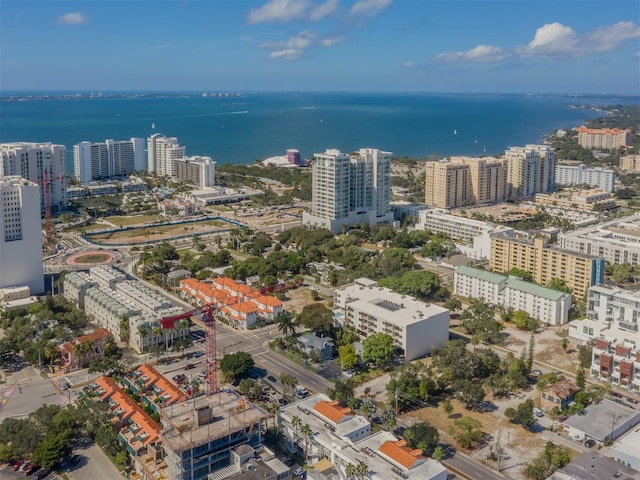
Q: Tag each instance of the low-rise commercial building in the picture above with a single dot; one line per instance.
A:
(630, 163)
(545, 263)
(616, 241)
(626, 451)
(594, 199)
(340, 438)
(602, 421)
(415, 327)
(543, 304)
(462, 229)
(593, 466)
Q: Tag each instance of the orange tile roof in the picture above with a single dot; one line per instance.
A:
(244, 307)
(399, 453)
(157, 379)
(332, 410)
(562, 389)
(270, 301)
(66, 347)
(98, 334)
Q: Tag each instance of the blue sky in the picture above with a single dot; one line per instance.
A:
(544, 46)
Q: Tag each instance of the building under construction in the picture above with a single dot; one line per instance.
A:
(199, 435)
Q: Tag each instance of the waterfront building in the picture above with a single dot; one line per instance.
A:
(589, 200)
(545, 263)
(530, 170)
(544, 304)
(20, 235)
(30, 160)
(196, 170)
(416, 327)
(162, 153)
(617, 241)
(608, 138)
(598, 177)
(293, 156)
(464, 230)
(341, 438)
(111, 158)
(350, 189)
(630, 163)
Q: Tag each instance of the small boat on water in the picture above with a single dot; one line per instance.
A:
(153, 126)
(455, 132)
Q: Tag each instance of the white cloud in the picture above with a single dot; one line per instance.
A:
(481, 53)
(331, 41)
(278, 10)
(286, 54)
(302, 40)
(409, 64)
(369, 8)
(73, 18)
(555, 39)
(322, 10)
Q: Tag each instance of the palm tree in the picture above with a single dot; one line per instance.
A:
(365, 410)
(362, 469)
(350, 470)
(110, 346)
(288, 381)
(285, 324)
(306, 432)
(295, 423)
(50, 352)
(143, 330)
(272, 408)
(124, 329)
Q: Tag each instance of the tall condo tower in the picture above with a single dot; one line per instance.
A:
(30, 160)
(111, 158)
(20, 234)
(530, 170)
(200, 171)
(162, 153)
(350, 189)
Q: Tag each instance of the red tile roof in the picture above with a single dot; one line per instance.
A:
(399, 453)
(332, 411)
(562, 389)
(97, 334)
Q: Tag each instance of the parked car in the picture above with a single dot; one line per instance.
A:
(589, 443)
(179, 378)
(537, 412)
(43, 473)
(198, 353)
(25, 466)
(350, 373)
(536, 373)
(271, 378)
(203, 373)
(17, 465)
(189, 366)
(31, 470)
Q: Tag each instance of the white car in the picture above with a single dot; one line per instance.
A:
(537, 412)
(349, 373)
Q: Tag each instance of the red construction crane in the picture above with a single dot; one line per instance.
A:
(210, 341)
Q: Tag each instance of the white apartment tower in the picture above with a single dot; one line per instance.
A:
(162, 153)
(111, 158)
(530, 170)
(30, 160)
(599, 177)
(350, 189)
(200, 171)
(20, 234)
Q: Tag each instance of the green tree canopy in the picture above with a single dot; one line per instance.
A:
(422, 435)
(236, 365)
(378, 349)
(317, 317)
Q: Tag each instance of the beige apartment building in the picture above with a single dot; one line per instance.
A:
(464, 181)
(630, 163)
(545, 263)
(530, 170)
(603, 137)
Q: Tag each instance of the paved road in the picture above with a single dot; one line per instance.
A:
(469, 468)
(93, 465)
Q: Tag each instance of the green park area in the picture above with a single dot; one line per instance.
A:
(150, 233)
(125, 221)
(93, 258)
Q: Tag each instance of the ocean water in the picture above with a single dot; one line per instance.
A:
(258, 125)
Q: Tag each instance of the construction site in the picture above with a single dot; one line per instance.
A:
(199, 435)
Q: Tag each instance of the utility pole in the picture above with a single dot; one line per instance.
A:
(498, 450)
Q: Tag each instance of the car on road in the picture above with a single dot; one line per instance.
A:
(589, 443)
(271, 378)
(189, 366)
(537, 412)
(632, 400)
(202, 373)
(179, 378)
(198, 353)
(350, 373)
(536, 373)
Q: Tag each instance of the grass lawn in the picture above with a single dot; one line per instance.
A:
(133, 220)
(93, 258)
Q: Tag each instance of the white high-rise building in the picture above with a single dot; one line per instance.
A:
(350, 189)
(599, 177)
(162, 153)
(20, 234)
(30, 160)
(111, 158)
(530, 170)
(200, 171)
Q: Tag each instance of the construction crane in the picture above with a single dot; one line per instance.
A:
(208, 318)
